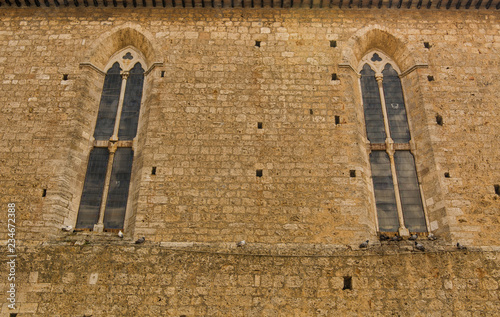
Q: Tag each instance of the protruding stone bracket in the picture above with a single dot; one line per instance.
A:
(349, 67)
(93, 67)
(153, 66)
(411, 69)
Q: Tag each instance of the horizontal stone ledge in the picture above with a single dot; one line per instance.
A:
(375, 248)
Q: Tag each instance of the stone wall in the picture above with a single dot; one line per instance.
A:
(208, 87)
(148, 280)
(199, 122)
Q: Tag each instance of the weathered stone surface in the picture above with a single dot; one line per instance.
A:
(169, 282)
(207, 88)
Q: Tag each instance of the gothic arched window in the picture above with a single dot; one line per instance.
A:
(105, 192)
(396, 187)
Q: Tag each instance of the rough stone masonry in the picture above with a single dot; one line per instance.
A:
(232, 90)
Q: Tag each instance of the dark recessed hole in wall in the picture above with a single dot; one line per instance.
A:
(65, 76)
(311, 111)
(258, 173)
(259, 125)
(334, 77)
(439, 119)
(162, 73)
(153, 170)
(427, 45)
(447, 175)
(257, 43)
(497, 189)
(13, 315)
(430, 78)
(333, 43)
(44, 193)
(352, 173)
(183, 316)
(347, 283)
(337, 119)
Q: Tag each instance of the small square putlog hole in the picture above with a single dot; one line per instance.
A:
(259, 125)
(352, 173)
(65, 77)
(311, 111)
(439, 119)
(334, 77)
(447, 175)
(427, 45)
(162, 73)
(258, 173)
(333, 43)
(257, 43)
(347, 283)
(430, 78)
(44, 193)
(337, 119)
(153, 170)
(497, 189)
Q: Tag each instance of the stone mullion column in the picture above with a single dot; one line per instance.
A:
(114, 137)
(403, 231)
(389, 148)
(112, 146)
(379, 78)
(99, 227)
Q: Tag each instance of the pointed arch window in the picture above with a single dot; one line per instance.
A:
(397, 191)
(105, 191)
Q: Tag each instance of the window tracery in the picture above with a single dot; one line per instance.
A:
(105, 192)
(396, 188)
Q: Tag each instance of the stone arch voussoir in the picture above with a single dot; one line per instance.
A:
(120, 37)
(376, 37)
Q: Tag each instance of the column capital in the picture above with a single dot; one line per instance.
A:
(112, 147)
(125, 74)
(389, 146)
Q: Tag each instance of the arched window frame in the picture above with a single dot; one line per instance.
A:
(389, 146)
(126, 58)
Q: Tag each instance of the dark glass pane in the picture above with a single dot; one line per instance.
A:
(374, 118)
(116, 205)
(109, 104)
(411, 201)
(384, 191)
(131, 104)
(395, 104)
(88, 214)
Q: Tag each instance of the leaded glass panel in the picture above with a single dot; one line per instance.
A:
(90, 203)
(131, 104)
(374, 118)
(395, 105)
(409, 191)
(384, 191)
(118, 189)
(110, 97)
